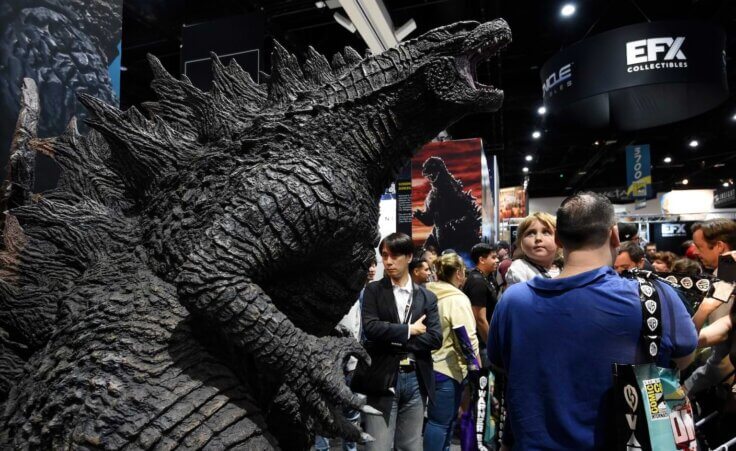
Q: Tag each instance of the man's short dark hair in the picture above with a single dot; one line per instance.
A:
(416, 263)
(502, 245)
(650, 244)
(397, 243)
(584, 221)
(636, 254)
(481, 250)
(719, 229)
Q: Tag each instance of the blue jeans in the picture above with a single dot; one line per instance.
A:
(441, 415)
(400, 425)
(323, 443)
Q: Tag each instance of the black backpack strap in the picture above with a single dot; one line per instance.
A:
(651, 315)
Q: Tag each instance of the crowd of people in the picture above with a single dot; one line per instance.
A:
(549, 314)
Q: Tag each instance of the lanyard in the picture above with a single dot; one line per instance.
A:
(408, 305)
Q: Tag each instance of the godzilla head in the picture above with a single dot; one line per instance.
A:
(444, 60)
(433, 168)
(451, 56)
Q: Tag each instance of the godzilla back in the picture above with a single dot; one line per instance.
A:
(95, 350)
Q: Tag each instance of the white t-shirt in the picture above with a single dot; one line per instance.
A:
(521, 271)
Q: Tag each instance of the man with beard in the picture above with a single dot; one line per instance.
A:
(420, 271)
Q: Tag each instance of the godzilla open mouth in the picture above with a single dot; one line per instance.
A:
(482, 44)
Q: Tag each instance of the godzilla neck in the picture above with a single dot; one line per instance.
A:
(384, 135)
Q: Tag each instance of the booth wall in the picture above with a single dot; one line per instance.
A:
(699, 211)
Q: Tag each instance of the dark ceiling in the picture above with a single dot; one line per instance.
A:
(563, 160)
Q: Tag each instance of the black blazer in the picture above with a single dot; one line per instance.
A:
(388, 341)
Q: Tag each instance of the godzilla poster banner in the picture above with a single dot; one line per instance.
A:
(67, 47)
(447, 195)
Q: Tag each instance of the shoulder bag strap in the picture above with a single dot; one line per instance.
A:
(651, 314)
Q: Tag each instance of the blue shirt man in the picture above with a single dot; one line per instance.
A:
(557, 338)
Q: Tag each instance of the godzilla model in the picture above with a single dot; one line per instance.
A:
(66, 46)
(453, 213)
(150, 301)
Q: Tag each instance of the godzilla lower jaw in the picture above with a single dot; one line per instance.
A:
(467, 67)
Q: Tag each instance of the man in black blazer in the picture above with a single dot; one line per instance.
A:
(402, 327)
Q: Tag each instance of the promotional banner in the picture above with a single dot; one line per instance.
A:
(512, 202)
(638, 174)
(638, 76)
(239, 38)
(403, 201)
(669, 236)
(620, 195)
(66, 48)
(446, 195)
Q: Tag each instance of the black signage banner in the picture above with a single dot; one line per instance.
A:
(638, 76)
(669, 236)
(239, 37)
(403, 201)
(725, 197)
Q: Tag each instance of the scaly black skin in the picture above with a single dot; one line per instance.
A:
(453, 213)
(66, 46)
(207, 253)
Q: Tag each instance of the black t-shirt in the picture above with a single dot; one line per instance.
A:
(481, 292)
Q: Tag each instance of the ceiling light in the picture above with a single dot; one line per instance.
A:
(536, 134)
(529, 158)
(725, 184)
(542, 110)
(668, 159)
(562, 176)
(525, 169)
(733, 118)
(685, 181)
(582, 172)
(319, 4)
(596, 143)
(693, 143)
(567, 10)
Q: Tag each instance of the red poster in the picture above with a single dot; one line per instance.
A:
(512, 202)
(446, 195)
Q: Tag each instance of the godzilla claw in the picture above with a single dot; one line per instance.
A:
(324, 389)
(366, 438)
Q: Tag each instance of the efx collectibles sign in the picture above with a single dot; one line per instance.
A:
(638, 76)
